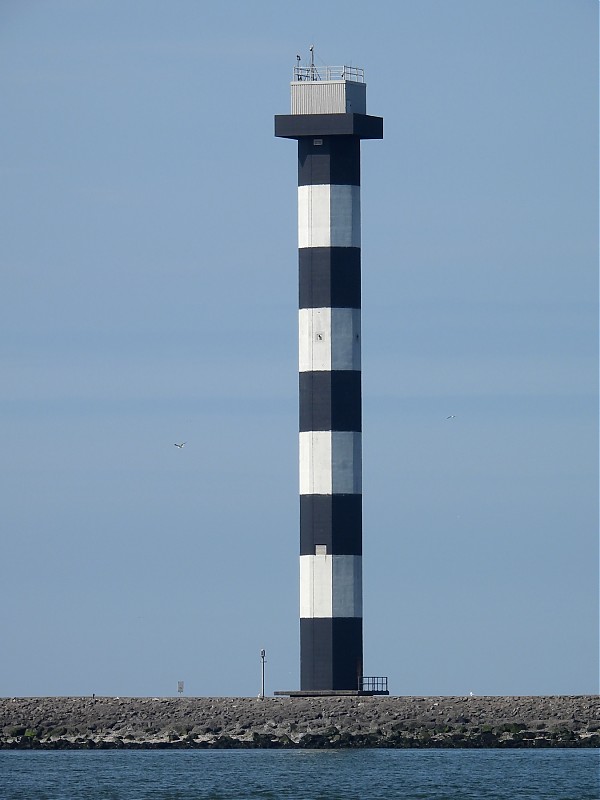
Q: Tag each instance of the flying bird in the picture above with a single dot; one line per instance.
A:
(180, 445)
(452, 416)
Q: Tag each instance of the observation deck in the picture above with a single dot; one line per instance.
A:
(328, 101)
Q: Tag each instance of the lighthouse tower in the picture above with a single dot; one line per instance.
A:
(328, 119)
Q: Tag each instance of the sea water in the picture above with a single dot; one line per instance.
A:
(552, 774)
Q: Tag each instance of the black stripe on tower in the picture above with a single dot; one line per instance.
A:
(334, 520)
(331, 653)
(330, 401)
(329, 160)
(329, 277)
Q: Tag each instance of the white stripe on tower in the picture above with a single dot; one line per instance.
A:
(330, 462)
(329, 338)
(332, 586)
(328, 216)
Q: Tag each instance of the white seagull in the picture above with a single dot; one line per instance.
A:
(180, 445)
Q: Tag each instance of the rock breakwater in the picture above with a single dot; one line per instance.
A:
(324, 722)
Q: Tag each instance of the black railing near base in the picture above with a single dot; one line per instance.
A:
(376, 685)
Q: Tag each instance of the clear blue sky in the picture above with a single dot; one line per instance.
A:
(148, 295)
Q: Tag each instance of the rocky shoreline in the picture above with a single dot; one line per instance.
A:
(293, 722)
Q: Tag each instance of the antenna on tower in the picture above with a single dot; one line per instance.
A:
(312, 62)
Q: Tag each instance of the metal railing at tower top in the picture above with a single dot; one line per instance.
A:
(314, 73)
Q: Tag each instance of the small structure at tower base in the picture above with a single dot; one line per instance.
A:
(369, 688)
(329, 693)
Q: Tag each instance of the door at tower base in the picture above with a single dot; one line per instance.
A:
(331, 653)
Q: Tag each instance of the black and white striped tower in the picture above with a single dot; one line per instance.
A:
(329, 119)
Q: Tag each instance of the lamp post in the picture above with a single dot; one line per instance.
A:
(262, 674)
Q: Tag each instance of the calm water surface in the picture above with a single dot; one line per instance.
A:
(302, 775)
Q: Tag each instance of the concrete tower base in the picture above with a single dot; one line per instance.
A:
(330, 693)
